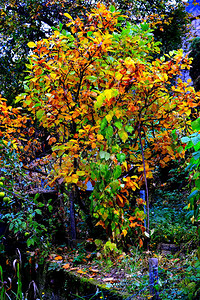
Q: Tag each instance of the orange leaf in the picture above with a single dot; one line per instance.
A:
(132, 225)
(58, 257)
(81, 272)
(101, 223)
(66, 266)
(120, 198)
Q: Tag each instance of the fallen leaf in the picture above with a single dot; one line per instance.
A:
(81, 272)
(73, 269)
(58, 257)
(94, 270)
(108, 279)
(66, 266)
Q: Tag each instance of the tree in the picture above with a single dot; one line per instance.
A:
(113, 113)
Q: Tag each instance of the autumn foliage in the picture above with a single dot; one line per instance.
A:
(105, 101)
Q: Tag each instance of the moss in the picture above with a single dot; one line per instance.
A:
(90, 285)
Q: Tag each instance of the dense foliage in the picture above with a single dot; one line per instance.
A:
(32, 20)
(96, 89)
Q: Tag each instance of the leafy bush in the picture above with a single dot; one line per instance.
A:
(171, 226)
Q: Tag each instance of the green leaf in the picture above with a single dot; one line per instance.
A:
(109, 132)
(194, 193)
(40, 113)
(180, 149)
(38, 211)
(112, 8)
(197, 183)
(99, 102)
(189, 145)
(104, 123)
(120, 18)
(196, 124)
(110, 59)
(30, 242)
(115, 185)
(89, 33)
(117, 172)
(50, 208)
(174, 135)
(144, 26)
(121, 157)
(118, 124)
(92, 78)
(129, 128)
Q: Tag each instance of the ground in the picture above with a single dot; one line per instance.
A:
(128, 273)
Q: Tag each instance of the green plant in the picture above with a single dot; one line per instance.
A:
(2, 288)
(98, 295)
(80, 254)
(107, 250)
(170, 225)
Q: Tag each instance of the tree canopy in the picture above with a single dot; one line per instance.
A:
(112, 111)
(32, 20)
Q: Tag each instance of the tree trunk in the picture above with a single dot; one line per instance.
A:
(72, 218)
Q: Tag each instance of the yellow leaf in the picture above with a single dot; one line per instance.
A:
(105, 216)
(124, 231)
(108, 94)
(80, 173)
(68, 16)
(31, 45)
(165, 77)
(81, 272)
(118, 76)
(109, 117)
(192, 219)
(53, 75)
(123, 135)
(124, 163)
(68, 179)
(100, 137)
(56, 33)
(74, 178)
(99, 102)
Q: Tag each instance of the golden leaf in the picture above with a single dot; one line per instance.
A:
(32, 45)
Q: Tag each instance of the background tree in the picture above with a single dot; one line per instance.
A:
(21, 22)
(195, 69)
